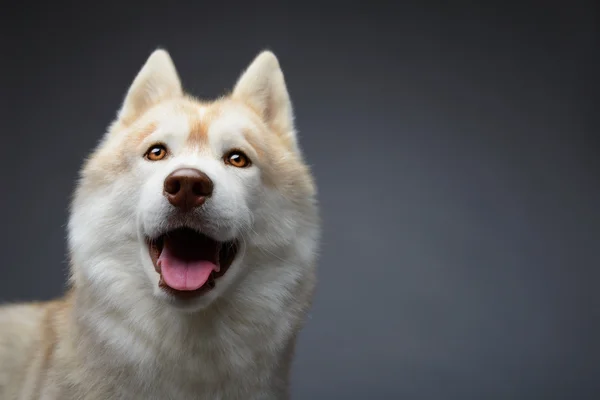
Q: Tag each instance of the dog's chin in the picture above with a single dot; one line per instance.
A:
(190, 266)
(187, 305)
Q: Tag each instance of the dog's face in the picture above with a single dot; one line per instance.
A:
(180, 191)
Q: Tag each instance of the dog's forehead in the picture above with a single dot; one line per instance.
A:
(230, 122)
(200, 123)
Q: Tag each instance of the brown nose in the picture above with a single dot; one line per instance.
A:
(187, 188)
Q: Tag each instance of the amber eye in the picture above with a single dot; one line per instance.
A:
(156, 152)
(237, 159)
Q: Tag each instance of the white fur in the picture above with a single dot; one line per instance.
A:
(131, 340)
(232, 342)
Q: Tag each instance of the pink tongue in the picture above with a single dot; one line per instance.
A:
(181, 274)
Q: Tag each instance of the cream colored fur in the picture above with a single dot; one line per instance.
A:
(115, 334)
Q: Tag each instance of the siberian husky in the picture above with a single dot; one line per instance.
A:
(193, 237)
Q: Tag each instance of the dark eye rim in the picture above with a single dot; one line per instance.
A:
(153, 146)
(227, 157)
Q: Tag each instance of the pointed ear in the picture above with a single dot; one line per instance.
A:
(262, 87)
(157, 81)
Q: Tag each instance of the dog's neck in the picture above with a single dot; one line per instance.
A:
(139, 317)
(246, 336)
(142, 345)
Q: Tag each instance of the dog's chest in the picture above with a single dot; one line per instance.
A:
(243, 356)
(219, 372)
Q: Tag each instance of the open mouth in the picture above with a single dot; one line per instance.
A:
(188, 262)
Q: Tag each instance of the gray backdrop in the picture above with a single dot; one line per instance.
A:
(454, 149)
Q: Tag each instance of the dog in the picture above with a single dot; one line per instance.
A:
(193, 237)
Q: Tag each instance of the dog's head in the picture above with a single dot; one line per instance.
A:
(180, 192)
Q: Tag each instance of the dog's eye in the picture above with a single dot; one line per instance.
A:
(237, 159)
(156, 152)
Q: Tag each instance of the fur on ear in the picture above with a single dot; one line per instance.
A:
(155, 82)
(262, 87)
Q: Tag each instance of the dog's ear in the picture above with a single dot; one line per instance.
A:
(262, 87)
(155, 82)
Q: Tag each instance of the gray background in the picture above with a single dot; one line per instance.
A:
(454, 149)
